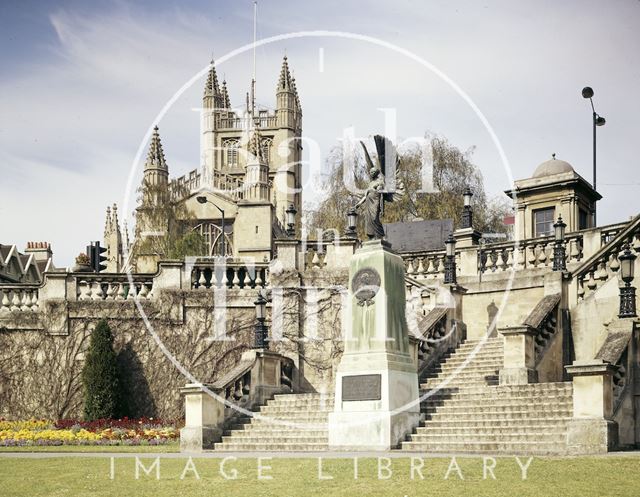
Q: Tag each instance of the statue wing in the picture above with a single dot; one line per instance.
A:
(367, 157)
(382, 145)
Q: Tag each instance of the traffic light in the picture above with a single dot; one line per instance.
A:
(95, 251)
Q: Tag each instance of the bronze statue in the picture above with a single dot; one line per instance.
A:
(372, 203)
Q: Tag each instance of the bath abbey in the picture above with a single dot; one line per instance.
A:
(270, 341)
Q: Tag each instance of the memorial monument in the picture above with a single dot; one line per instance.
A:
(376, 382)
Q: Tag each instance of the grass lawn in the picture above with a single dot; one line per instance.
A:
(84, 476)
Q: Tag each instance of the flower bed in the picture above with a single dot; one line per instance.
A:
(144, 431)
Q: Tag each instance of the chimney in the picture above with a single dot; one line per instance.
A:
(41, 250)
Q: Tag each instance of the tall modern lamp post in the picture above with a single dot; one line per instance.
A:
(598, 120)
(627, 292)
(559, 260)
(203, 200)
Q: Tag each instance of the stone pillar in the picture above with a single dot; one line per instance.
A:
(468, 262)
(266, 374)
(339, 253)
(377, 395)
(170, 276)
(204, 415)
(467, 237)
(288, 249)
(519, 366)
(592, 431)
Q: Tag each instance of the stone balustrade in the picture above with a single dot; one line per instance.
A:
(91, 286)
(230, 274)
(595, 263)
(18, 298)
(424, 265)
(604, 264)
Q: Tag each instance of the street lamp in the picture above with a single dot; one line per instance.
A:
(203, 200)
(450, 260)
(261, 331)
(559, 262)
(627, 292)
(352, 219)
(587, 92)
(291, 220)
(467, 213)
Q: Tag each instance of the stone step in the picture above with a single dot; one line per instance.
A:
(478, 423)
(515, 437)
(277, 431)
(466, 382)
(559, 427)
(480, 413)
(264, 410)
(475, 361)
(480, 447)
(271, 439)
(489, 396)
(464, 406)
(272, 447)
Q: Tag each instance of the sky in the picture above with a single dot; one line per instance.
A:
(82, 83)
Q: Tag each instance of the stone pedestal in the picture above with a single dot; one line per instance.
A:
(377, 399)
(203, 416)
(519, 366)
(467, 237)
(592, 431)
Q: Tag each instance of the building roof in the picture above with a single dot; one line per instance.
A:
(418, 235)
(551, 167)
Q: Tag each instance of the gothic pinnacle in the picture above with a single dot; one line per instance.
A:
(155, 157)
(226, 103)
(284, 83)
(211, 87)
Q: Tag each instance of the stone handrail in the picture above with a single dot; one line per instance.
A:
(113, 286)
(544, 320)
(258, 376)
(604, 264)
(617, 350)
(19, 298)
(236, 274)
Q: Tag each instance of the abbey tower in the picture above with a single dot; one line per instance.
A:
(249, 169)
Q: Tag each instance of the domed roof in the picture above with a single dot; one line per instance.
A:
(551, 167)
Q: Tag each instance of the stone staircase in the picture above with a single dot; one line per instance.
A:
(291, 422)
(464, 412)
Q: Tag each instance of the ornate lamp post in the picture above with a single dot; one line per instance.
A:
(559, 255)
(261, 330)
(291, 220)
(467, 213)
(352, 218)
(450, 260)
(627, 292)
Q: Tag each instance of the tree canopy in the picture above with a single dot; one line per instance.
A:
(452, 172)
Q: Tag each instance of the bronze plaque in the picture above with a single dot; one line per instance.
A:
(362, 387)
(365, 285)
